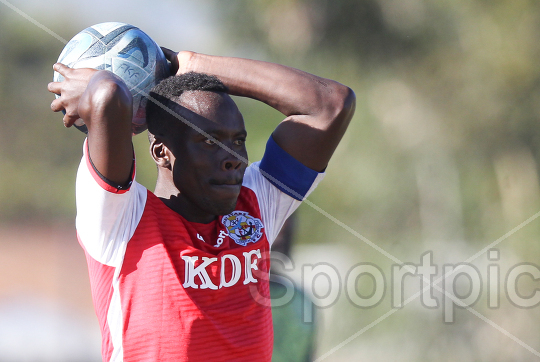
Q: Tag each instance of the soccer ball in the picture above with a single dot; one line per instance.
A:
(124, 50)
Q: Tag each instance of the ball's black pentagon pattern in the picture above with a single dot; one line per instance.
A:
(126, 51)
(136, 44)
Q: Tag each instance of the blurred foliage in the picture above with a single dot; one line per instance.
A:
(452, 81)
(36, 156)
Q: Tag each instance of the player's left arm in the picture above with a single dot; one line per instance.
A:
(317, 110)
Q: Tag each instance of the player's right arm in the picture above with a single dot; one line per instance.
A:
(109, 205)
(104, 103)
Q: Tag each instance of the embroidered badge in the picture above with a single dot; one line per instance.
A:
(242, 227)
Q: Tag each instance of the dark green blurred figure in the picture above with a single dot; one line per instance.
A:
(294, 339)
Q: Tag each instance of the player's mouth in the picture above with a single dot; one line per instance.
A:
(232, 181)
(232, 185)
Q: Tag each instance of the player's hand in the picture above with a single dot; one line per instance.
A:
(179, 60)
(70, 91)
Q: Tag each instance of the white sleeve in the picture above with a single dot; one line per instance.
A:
(107, 217)
(280, 183)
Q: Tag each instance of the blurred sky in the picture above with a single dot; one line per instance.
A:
(180, 23)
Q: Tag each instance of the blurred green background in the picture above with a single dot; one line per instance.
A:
(442, 155)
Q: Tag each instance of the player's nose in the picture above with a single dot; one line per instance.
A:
(231, 163)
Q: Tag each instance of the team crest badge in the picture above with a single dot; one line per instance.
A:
(242, 227)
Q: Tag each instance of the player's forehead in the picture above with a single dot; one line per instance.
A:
(206, 103)
(210, 110)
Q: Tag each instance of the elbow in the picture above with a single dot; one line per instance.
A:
(348, 102)
(342, 107)
(112, 93)
(106, 103)
(108, 94)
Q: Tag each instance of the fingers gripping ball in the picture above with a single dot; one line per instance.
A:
(124, 50)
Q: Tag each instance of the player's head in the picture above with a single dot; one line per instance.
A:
(168, 92)
(183, 144)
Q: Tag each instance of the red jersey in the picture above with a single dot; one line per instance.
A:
(166, 289)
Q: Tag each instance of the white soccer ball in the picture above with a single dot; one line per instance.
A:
(124, 50)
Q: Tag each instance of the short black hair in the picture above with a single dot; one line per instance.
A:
(169, 90)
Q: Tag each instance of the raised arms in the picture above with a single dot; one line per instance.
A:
(317, 110)
(104, 102)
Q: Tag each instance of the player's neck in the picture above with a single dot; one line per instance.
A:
(175, 201)
(191, 213)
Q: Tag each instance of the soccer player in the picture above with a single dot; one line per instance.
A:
(181, 273)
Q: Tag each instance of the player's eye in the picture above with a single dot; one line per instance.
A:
(210, 142)
(239, 142)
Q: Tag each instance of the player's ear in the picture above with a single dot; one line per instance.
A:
(160, 153)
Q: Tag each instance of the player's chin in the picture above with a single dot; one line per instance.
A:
(225, 207)
(224, 199)
(218, 206)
